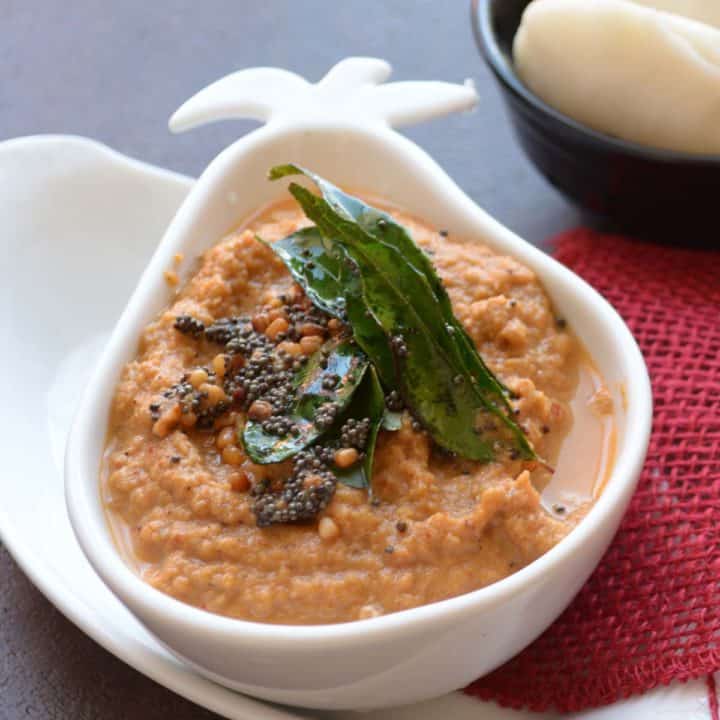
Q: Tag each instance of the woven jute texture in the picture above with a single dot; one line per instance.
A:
(650, 613)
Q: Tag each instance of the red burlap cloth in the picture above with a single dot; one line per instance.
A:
(650, 613)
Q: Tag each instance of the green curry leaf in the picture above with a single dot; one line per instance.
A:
(330, 279)
(316, 266)
(331, 375)
(437, 368)
(368, 402)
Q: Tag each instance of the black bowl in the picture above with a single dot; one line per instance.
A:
(621, 185)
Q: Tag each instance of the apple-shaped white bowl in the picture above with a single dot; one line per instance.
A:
(341, 128)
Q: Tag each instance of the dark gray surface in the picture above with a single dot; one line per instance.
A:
(115, 72)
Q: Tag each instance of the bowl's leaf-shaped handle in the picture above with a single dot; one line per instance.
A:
(350, 92)
(354, 72)
(408, 103)
(255, 93)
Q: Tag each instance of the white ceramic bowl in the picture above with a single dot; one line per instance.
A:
(341, 129)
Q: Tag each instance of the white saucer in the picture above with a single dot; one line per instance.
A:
(79, 224)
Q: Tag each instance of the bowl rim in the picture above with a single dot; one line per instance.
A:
(83, 491)
(487, 43)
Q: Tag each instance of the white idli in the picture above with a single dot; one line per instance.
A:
(630, 71)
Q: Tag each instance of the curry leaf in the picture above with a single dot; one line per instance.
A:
(438, 370)
(408, 312)
(381, 226)
(316, 266)
(331, 375)
(368, 402)
(369, 335)
(329, 278)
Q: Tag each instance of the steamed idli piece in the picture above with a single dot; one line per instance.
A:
(705, 11)
(630, 71)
